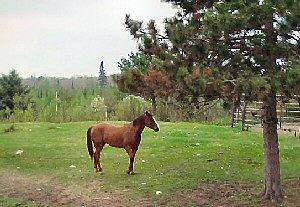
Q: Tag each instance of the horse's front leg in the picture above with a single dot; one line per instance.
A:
(131, 152)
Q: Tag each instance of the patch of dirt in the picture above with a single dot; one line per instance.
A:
(45, 192)
(283, 131)
(232, 194)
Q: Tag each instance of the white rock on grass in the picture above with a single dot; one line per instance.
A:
(72, 166)
(19, 152)
(158, 192)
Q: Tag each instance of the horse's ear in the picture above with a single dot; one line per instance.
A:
(147, 113)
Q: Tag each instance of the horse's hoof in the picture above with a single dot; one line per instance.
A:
(99, 171)
(130, 173)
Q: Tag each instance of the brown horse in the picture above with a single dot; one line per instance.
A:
(127, 137)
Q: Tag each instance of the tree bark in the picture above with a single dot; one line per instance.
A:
(154, 104)
(244, 114)
(272, 184)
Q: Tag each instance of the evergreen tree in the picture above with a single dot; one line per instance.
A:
(254, 42)
(10, 87)
(225, 48)
(141, 76)
(102, 77)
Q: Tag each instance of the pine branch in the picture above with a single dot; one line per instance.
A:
(233, 82)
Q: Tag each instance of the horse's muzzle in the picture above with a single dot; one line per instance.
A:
(156, 129)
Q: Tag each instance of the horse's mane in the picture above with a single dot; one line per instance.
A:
(138, 120)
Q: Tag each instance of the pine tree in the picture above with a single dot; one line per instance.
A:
(141, 76)
(10, 87)
(225, 48)
(255, 43)
(102, 77)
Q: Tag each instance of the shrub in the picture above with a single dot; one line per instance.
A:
(131, 107)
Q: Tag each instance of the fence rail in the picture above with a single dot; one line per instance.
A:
(248, 114)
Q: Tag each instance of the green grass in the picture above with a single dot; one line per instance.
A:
(180, 156)
(12, 202)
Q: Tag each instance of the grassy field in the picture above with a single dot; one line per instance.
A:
(189, 163)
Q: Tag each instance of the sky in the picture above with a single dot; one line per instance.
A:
(66, 38)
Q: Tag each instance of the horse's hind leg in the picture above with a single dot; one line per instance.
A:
(97, 164)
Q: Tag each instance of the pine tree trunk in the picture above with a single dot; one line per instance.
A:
(154, 104)
(272, 184)
(244, 114)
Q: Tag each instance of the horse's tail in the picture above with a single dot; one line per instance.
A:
(89, 143)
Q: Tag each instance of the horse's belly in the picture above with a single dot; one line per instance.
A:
(117, 137)
(115, 145)
(114, 142)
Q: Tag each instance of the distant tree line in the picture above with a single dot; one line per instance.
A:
(82, 98)
(63, 100)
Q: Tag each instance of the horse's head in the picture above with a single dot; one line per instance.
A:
(151, 122)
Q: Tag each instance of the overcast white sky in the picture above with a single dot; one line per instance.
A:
(65, 38)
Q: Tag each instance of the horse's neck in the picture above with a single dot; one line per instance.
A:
(140, 128)
(139, 125)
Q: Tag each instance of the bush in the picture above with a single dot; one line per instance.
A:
(131, 107)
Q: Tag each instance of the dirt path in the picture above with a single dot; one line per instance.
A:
(44, 192)
(233, 194)
(286, 132)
